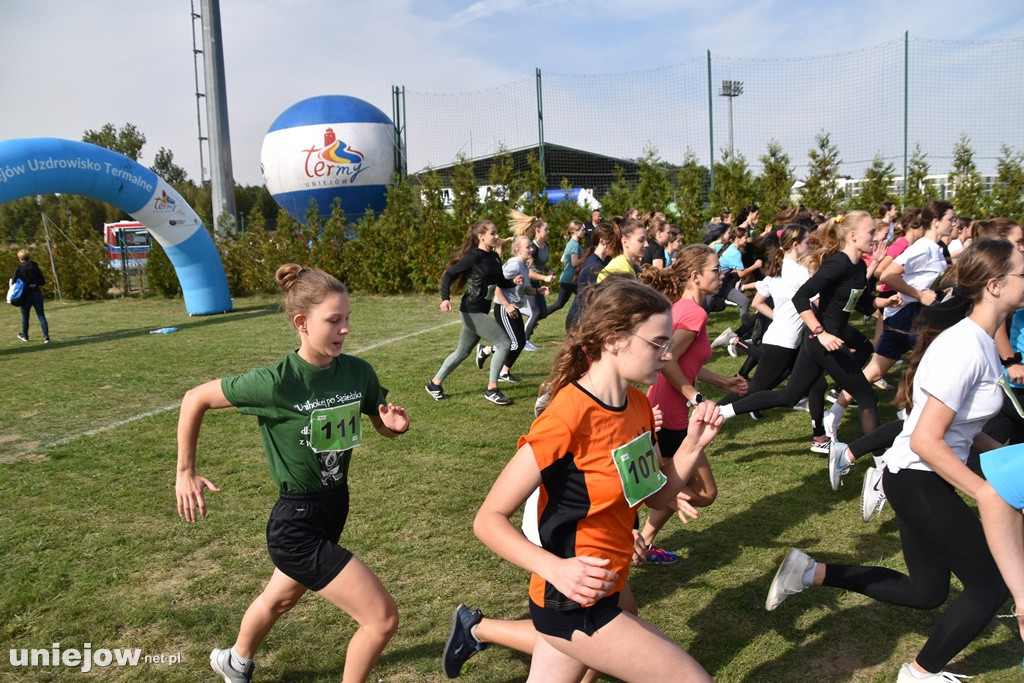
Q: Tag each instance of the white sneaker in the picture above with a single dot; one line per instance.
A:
(802, 405)
(789, 579)
(731, 347)
(838, 464)
(821, 446)
(907, 676)
(723, 339)
(882, 384)
(872, 497)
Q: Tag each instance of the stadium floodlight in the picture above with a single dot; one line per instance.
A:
(731, 89)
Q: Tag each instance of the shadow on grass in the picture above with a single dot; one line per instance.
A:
(193, 324)
(822, 639)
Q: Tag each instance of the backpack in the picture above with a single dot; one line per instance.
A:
(14, 292)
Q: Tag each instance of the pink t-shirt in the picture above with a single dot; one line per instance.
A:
(895, 249)
(686, 315)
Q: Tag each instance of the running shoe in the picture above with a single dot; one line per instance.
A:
(495, 396)
(832, 396)
(22, 337)
(508, 377)
(660, 556)
(436, 391)
(481, 356)
(882, 384)
(756, 415)
(220, 661)
(872, 497)
(530, 347)
(461, 644)
(802, 405)
(46, 339)
(789, 579)
(723, 339)
(908, 676)
(838, 464)
(731, 347)
(820, 446)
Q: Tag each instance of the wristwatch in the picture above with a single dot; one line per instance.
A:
(817, 330)
(697, 398)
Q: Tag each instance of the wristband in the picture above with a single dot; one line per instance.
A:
(1015, 359)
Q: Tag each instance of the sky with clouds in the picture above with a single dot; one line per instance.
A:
(71, 65)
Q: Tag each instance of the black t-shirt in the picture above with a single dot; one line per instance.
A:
(653, 251)
(839, 284)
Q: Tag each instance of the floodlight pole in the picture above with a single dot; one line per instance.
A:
(731, 89)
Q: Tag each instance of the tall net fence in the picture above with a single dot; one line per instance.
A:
(876, 101)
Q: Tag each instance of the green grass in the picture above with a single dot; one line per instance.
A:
(92, 550)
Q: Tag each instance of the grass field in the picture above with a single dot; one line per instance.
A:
(92, 550)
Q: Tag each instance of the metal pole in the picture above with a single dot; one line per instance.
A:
(199, 110)
(730, 128)
(906, 108)
(540, 126)
(711, 125)
(221, 179)
(49, 250)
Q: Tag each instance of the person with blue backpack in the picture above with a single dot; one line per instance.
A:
(32, 295)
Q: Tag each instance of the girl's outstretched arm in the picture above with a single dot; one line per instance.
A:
(582, 579)
(189, 486)
(393, 420)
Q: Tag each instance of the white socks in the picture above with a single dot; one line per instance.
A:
(727, 411)
(238, 662)
(808, 578)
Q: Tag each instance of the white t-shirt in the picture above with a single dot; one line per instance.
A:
(923, 262)
(960, 369)
(786, 324)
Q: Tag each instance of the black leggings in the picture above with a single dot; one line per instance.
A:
(514, 329)
(940, 535)
(844, 366)
(877, 441)
(761, 323)
(565, 290)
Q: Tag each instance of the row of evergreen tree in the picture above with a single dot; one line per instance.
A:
(406, 247)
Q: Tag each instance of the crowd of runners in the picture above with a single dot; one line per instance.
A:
(622, 422)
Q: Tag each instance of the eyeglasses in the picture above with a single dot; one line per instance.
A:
(662, 348)
(1020, 275)
(717, 270)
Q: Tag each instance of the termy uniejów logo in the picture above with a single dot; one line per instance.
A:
(164, 202)
(335, 160)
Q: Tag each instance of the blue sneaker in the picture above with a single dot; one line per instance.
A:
(838, 464)
(461, 644)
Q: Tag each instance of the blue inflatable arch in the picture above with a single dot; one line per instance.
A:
(47, 165)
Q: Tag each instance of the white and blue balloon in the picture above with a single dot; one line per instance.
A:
(327, 147)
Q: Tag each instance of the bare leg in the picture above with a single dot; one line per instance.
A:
(626, 648)
(359, 593)
(702, 489)
(277, 598)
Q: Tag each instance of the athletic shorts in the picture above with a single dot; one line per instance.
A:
(669, 441)
(1004, 469)
(303, 533)
(587, 620)
(896, 339)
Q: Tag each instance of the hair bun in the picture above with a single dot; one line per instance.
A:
(287, 275)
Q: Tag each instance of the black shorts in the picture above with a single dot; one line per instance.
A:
(587, 620)
(669, 441)
(303, 533)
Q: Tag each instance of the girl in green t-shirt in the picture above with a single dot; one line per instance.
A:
(308, 407)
